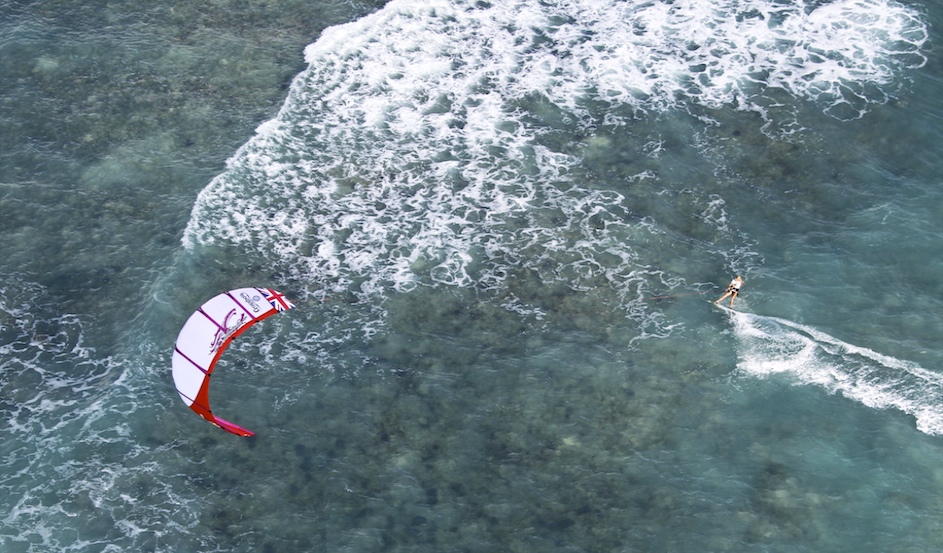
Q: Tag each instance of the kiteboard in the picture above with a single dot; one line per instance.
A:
(207, 334)
(722, 307)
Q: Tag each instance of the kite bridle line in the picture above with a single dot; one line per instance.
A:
(681, 295)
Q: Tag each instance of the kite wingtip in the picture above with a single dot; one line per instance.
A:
(233, 428)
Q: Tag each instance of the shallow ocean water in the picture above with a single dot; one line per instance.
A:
(500, 224)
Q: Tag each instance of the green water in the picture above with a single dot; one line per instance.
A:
(547, 400)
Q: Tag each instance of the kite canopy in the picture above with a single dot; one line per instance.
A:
(205, 336)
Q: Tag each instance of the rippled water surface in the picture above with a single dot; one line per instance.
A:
(500, 224)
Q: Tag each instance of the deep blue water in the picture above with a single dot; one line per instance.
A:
(500, 223)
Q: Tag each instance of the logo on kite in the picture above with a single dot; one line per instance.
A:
(277, 300)
(252, 301)
(205, 336)
(225, 332)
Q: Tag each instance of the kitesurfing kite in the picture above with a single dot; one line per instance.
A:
(205, 336)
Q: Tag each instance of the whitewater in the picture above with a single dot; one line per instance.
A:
(498, 223)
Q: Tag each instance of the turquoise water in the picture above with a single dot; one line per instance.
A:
(500, 223)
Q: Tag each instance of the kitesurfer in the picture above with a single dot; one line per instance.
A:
(733, 289)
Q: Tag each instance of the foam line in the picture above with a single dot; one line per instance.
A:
(769, 345)
(420, 146)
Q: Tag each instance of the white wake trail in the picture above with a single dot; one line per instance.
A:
(771, 345)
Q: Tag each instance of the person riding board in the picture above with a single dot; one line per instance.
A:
(733, 289)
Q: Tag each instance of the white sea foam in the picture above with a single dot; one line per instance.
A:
(409, 152)
(771, 345)
(65, 413)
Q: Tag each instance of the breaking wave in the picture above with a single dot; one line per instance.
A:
(420, 146)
